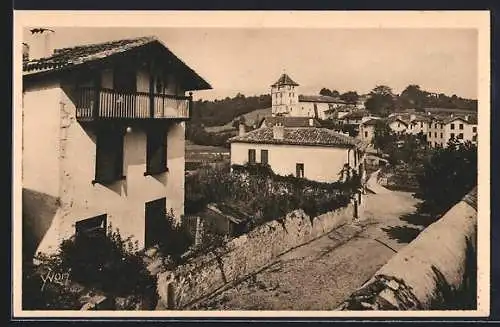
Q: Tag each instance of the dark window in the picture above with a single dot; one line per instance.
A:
(155, 212)
(91, 227)
(452, 135)
(441, 135)
(435, 134)
(299, 170)
(421, 125)
(156, 156)
(366, 134)
(109, 155)
(460, 136)
(264, 156)
(251, 156)
(474, 129)
(430, 134)
(461, 126)
(452, 126)
(474, 138)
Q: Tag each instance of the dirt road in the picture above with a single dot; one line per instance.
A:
(321, 274)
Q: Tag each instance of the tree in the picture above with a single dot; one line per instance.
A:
(447, 176)
(350, 97)
(380, 101)
(384, 137)
(328, 92)
(413, 97)
(325, 91)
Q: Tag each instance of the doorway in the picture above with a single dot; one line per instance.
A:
(155, 213)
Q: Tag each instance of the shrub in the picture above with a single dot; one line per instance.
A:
(105, 263)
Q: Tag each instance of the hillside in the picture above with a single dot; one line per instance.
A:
(253, 117)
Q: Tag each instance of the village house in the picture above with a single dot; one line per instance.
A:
(317, 154)
(367, 130)
(398, 124)
(103, 138)
(460, 127)
(287, 102)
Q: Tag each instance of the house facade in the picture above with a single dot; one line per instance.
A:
(461, 128)
(286, 101)
(317, 154)
(367, 130)
(103, 139)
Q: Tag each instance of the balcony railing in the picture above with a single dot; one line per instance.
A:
(95, 103)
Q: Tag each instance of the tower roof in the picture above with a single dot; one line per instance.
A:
(285, 80)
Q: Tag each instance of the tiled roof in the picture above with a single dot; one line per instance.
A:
(285, 80)
(358, 114)
(74, 56)
(290, 121)
(402, 119)
(471, 119)
(300, 136)
(372, 122)
(319, 98)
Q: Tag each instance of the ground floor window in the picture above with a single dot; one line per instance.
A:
(299, 170)
(91, 227)
(251, 156)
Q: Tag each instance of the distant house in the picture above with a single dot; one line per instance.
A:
(367, 130)
(317, 154)
(398, 123)
(103, 139)
(460, 127)
(287, 102)
(355, 117)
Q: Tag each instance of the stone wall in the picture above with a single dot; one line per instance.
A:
(244, 256)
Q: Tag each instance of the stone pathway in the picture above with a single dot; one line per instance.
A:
(321, 274)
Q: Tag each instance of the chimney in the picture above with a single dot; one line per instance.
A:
(451, 115)
(311, 122)
(241, 129)
(40, 43)
(278, 131)
(26, 51)
(412, 117)
(466, 117)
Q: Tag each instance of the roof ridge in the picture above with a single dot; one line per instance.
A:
(148, 38)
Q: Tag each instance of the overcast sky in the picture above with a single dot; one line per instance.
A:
(249, 60)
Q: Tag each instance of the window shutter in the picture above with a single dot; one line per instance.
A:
(251, 156)
(109, 155)
(264, 158)
(156, 151)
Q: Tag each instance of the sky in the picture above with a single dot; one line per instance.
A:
(249, 60)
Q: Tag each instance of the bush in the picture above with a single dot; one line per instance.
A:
(105, 263)
(266, 195)
(174, 239)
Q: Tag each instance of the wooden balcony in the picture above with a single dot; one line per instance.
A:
(93, 104)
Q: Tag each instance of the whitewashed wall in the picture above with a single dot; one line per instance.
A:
(321, 164)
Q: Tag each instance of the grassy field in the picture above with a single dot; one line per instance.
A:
(250, 118)
(205, 153)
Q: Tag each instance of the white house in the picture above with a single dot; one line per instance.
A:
(317, 154)
(287, 102)
(462, 128)
(103, 139)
